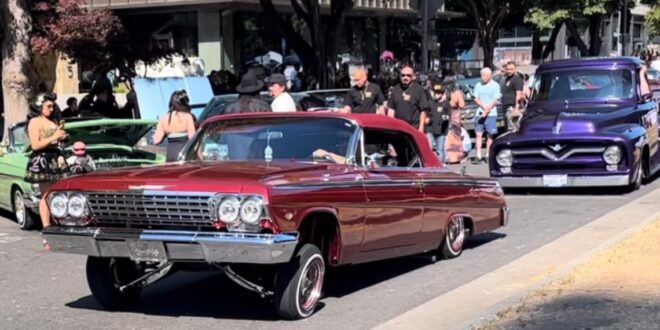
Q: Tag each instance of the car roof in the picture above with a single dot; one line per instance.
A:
(372, 121)
(590, 61)
(363, 120)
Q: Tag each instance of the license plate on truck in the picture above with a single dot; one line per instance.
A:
(555, 181)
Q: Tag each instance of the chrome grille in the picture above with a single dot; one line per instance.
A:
(151, 209)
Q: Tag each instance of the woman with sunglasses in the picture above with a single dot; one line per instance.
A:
(178, 126)
(46, 163)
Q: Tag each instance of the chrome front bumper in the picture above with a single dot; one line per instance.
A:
(172, 245)
(572, 181)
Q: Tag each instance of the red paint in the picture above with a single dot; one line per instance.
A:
(381, 213)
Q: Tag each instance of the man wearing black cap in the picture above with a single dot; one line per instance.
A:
(248, 100)
(282, 101)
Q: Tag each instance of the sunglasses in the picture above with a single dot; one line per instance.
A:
(79, 149)
(406, 75)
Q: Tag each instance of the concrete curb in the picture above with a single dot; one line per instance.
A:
(480, 300)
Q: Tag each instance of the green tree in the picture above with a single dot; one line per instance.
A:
(652, 19)
(552, 14)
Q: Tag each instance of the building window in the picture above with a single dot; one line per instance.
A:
(637, 31)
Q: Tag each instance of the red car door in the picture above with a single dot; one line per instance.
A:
(395, 208)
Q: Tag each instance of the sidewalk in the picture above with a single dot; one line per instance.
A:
(619, 288)
(493, 294)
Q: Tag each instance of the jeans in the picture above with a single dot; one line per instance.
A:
(437, 142)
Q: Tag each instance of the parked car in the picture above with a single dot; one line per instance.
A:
(272, 199)
(586, 125)
(110, 142)
(308, 101)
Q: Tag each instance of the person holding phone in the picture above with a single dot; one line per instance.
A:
(46, 163)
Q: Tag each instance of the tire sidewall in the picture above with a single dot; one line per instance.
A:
(100, 279)
(448, 251)
(22, 223)
(289, 280)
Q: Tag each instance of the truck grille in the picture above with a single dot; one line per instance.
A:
(153, 209)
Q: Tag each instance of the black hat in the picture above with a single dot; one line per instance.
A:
(249, 83)
(276, 78)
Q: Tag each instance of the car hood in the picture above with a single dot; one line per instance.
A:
(194, 176)
(118, 132)
(577, 119)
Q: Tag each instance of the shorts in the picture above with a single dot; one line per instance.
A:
(489, 124)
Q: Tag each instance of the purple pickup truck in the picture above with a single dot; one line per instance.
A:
(588, 124)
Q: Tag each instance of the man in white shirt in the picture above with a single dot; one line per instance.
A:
(282, 101)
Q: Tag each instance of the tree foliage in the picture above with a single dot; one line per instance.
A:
(547, 14)
(652, 19)
(95, 37)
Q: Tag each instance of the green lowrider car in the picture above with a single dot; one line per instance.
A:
(111, 143)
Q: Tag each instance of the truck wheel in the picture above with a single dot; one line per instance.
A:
(298, 284)
(24, 216)
(106, 275)
(452, 244)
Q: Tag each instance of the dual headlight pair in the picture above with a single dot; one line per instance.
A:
(233, 208)
(64, 205)
(612, 156)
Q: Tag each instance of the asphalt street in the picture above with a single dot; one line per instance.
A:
(49, 291)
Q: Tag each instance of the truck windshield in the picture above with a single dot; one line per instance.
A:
(584, 84)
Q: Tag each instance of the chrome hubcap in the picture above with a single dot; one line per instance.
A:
(311, 283)
(456, 233)
(19, 208)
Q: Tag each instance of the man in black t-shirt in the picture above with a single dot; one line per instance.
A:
(364, 97)
(408, 101)
(511, 88)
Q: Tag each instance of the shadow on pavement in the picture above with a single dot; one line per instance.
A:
(585, 311)
(211, 294)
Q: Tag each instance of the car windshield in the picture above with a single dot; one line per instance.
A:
(271, 138)
(19, 137)
(583, 84)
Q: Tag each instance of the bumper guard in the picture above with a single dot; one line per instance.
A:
(173, 245)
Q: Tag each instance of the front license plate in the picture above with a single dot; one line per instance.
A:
(146, 250)
(555, 180)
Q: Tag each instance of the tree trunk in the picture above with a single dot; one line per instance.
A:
(15, 61)
(550, 47)
(537, 47)
(572, 28)
(487, 39)
(594, 35)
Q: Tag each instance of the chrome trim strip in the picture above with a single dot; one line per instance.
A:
(573, 181)
(393, 183)
(550, 155)
(159, 245)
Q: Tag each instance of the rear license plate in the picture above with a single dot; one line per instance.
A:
(555, 180)
(146, 250)
(500, 123)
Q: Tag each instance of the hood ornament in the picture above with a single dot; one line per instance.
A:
(557, 128)
(557, 147)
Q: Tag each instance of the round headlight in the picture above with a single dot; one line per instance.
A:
(77, 205)
(504, 158)
(58, 205)
(229, 209)
(612, 155)
(251, 210)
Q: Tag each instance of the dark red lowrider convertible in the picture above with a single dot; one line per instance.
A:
(272, 200)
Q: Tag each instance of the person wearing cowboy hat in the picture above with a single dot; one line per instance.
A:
(282, 101)
(248, 100)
